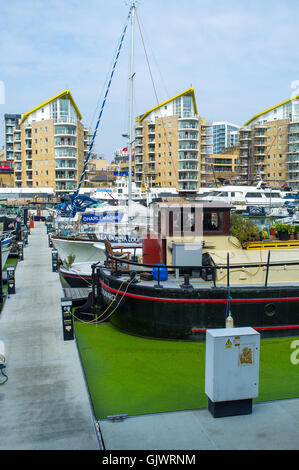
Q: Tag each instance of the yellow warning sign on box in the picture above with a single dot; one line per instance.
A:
(228, 344)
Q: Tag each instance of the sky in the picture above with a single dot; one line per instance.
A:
(240, 57)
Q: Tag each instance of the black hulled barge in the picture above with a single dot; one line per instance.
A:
(193, 275)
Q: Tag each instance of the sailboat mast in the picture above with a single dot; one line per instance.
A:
(131, 123)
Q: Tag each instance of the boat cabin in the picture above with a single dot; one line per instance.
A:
(181, 230)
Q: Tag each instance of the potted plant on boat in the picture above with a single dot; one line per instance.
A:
(283, 231)
(243, 229)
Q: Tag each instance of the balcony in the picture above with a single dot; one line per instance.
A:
(188, 176)
(260, 144)
(245, 137)
(187, 146)
(65, 120)
(188, 137)
(67, 167)
(67, 133)
(189, 115)
(188, 125)
(66, 157)
(187, 186)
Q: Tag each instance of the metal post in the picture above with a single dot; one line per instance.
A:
(158, 286)
(214, 270)
(11, 284)
(267, 270)
(67, 318)
(93, 288)
(131, 102)
(20, 251)
(227, 269)
(54, 261)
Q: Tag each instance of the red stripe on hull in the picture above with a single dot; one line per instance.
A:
(212, 301)
(75, 277)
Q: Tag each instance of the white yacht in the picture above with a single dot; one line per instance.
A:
(120, 192)
(243, 196)
(83, 236)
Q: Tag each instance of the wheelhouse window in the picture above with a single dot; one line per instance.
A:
(213, 221)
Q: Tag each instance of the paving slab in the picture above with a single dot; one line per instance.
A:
(271, 426)
(45, 403)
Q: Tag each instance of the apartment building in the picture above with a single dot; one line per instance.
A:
(6, 171)
(49, 145)
(167, 145)
(220, 166)
(9, 123)
(269, 145)
(225, 134)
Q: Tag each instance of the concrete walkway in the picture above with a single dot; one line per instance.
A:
(271, 426)
(45, 402)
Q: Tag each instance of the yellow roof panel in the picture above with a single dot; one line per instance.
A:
(60, 95)
(189, 91)
(270, 109)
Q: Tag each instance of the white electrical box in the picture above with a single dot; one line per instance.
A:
(232, 364)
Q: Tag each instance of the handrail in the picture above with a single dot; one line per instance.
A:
(236, 266)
